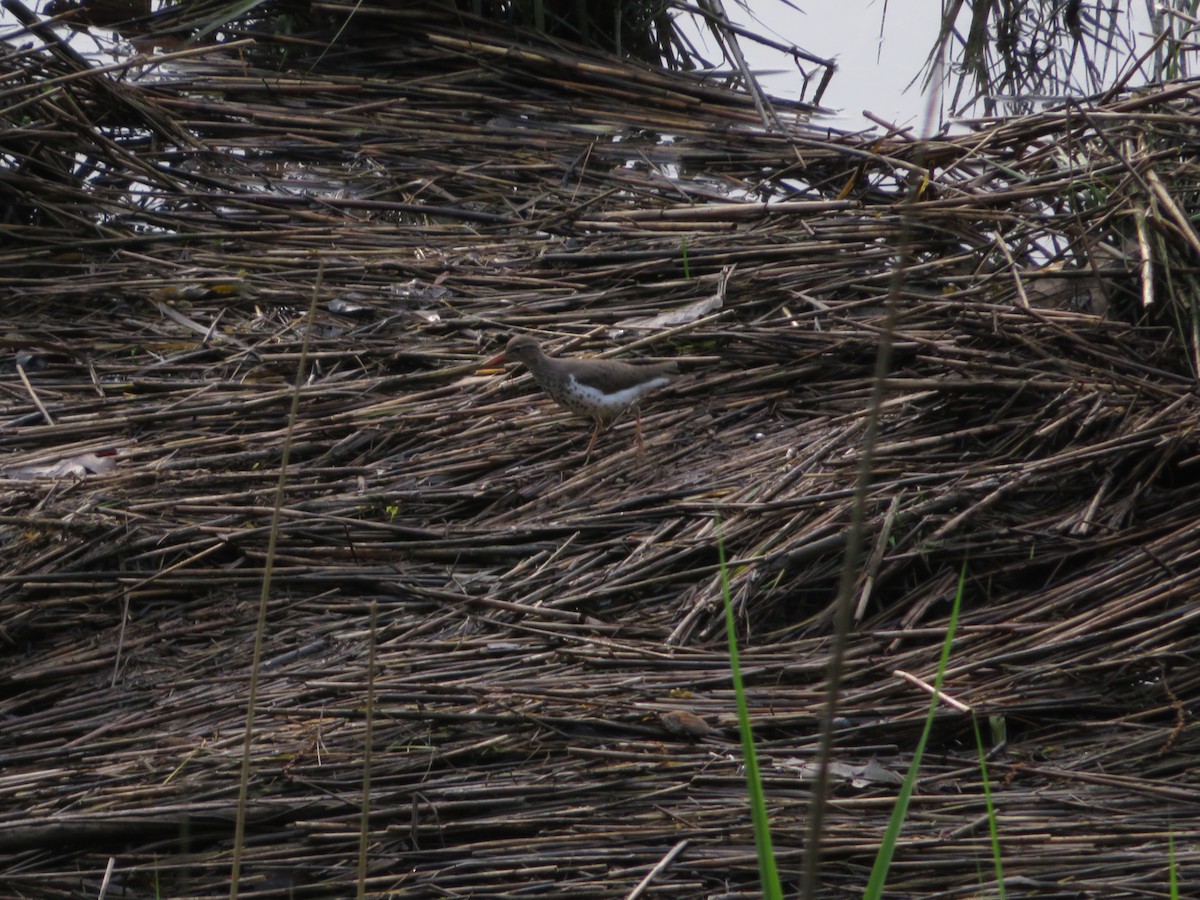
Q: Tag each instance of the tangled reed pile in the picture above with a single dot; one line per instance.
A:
(532, 615)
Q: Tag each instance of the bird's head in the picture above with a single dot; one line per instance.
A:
(521, 348)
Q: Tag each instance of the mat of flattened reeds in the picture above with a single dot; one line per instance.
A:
(209, 267)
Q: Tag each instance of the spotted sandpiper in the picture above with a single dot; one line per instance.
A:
(600, 389)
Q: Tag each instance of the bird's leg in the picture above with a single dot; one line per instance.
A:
(641, 445)
(587, 454)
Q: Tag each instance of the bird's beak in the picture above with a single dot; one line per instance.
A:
(494, 361)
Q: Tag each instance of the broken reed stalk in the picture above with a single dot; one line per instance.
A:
(265, 594)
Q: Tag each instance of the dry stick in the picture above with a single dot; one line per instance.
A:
(107, 880)
(854, 539)
(926, 686)
(717, 19)
(849, 575)
(1015, 270)
(125, 67)
(37, 401)
(1177, 215)
(659, 867)
(875, 559)
(1146, 263)
(268, 566)
(120, 638)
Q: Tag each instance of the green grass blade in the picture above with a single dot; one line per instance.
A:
(991, 810)
(883, 860)
(767, 870)
(1172, 871)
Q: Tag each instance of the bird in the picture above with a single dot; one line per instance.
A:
(682, 723)
(599, 389)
